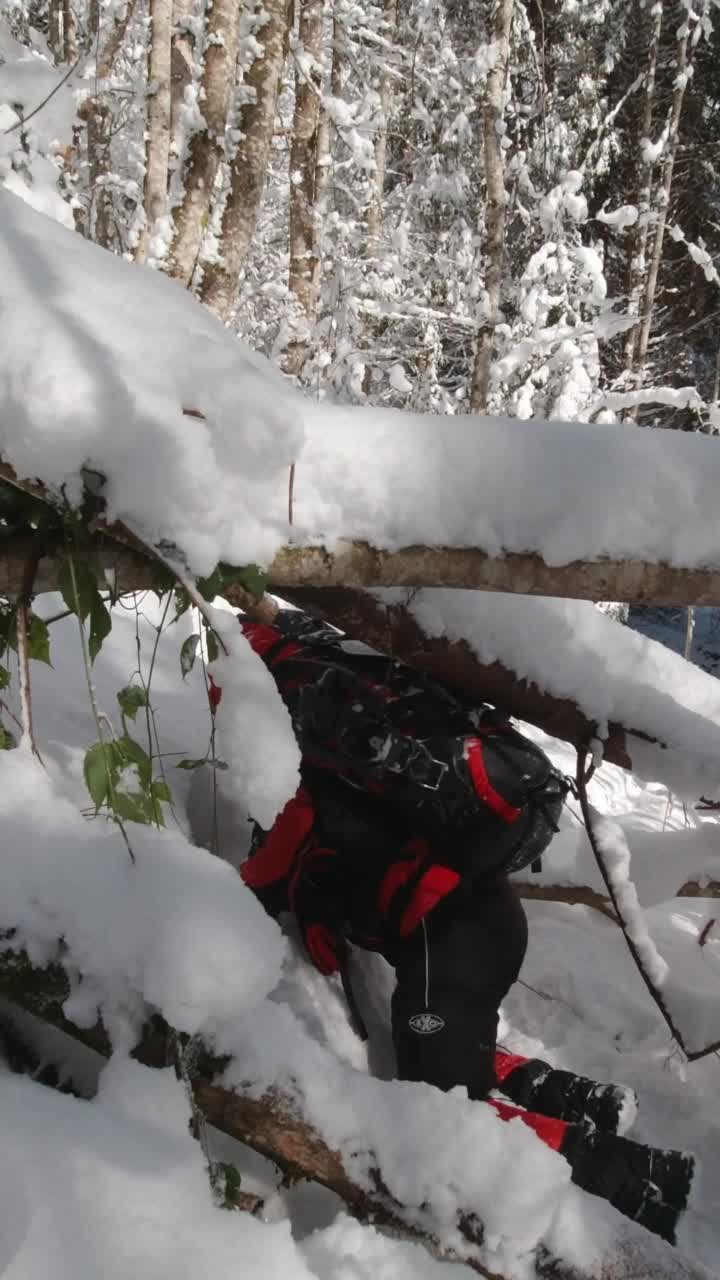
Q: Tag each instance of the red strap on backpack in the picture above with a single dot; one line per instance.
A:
(473, 751)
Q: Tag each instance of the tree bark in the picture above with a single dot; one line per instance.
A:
(207, 145)
(55, 28)
(69, 33)
(375, 207)
(358, 565)
(304, 269)
(182, 56)
(639, 237)
(97, 223)
(274, 1126)
(249, 167)
(583, 895)
(495, 204)
(661, 201)
(157, 149)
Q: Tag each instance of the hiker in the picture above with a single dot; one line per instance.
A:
(412, 811)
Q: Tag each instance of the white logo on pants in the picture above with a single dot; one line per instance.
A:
(426, 1024)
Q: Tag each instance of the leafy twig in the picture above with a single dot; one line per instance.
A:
(23, 644)
(94, 703)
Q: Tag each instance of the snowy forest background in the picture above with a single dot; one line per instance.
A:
(448, 207)
(380, 179)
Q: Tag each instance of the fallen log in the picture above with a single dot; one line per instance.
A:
(354, 562)
(582, 895)
(273, 1126)
(134, 566)
(392, 629)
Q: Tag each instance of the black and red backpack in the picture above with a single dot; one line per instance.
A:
(406, 781)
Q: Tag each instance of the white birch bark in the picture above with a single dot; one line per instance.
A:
(206, 150)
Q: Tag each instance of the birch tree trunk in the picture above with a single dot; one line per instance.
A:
(55, 28)
(157, 148)
(249, 167)
(97, 223)
(182, 57)
(639, 237)
(303, 275)
(495, 206)
(207, 145)
(69, 33)
(661, 202)
(375, 207)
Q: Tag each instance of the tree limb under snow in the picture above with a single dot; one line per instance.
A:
(392, 629)
(584, 895)
(274, 1126)
(612, 855)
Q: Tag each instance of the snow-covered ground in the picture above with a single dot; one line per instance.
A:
(116, 1185)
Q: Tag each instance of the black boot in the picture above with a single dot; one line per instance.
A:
(647, 1184)
(539, 1087)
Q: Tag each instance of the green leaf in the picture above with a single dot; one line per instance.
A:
(136, 807)
(87, 588)
(130, 752)
(38, 639)
(98, 770)
(100, 625)
(131, 698)
(212, 586)
(161, 791)
(4, 739)
(182, 602)
(4, 677)
(253, 579)
(188, 654)
(162, 578)
(212, 645)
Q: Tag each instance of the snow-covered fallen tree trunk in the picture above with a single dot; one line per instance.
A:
(392, 628)
(273, 1125)
(354, 563)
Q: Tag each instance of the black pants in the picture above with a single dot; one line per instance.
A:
(452, 974)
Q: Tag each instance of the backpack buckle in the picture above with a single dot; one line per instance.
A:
(433, 777)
